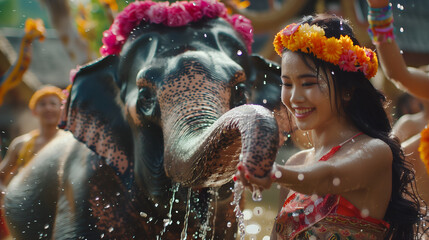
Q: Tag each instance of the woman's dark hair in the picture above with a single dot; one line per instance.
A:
(366, 109)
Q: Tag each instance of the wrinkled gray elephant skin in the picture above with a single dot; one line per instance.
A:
(178, 106)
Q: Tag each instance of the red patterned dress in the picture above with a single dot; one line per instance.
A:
(327, 217)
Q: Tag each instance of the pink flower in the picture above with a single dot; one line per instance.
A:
(123, 24)
(291, 29)
(158, 13)
(194, 11)
(365, 68)
(111, 45)
(137, 10)
(347, 61)
(369, 53)
(243, 26)
(210, 8)
(72, 76)
(177, 15)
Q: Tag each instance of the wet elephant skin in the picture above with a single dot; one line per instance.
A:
(178, 106)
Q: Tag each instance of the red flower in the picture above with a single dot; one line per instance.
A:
(177, 15)
(158, 13)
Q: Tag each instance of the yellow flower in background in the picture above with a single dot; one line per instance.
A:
(238, 4)
(111, 3)
(332, 50)
(85, 26)
(424, 147)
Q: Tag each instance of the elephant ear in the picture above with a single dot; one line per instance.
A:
(265, 82)
(95, 113)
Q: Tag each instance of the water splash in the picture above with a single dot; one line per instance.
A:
(256, 193)
(205, 227)
(168, 220)
(238, 191)
(184, 233)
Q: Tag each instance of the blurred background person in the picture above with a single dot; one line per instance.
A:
(45, 105)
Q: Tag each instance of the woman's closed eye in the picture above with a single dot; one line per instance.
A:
(309, 84)
(286, 84)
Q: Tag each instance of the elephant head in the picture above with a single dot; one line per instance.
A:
(178, 101)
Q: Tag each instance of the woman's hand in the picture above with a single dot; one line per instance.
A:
(378, 3)
(250, 181)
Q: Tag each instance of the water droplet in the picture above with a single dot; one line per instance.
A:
(239, 53)
(314, 197)
(300, 177)
(167, 222)
(205, 35)
(264, 101)
(336, 182)
(247, 214)
(111, 229)
(229, 224)
(107, 206)
(266, 238)
(258, 211)
(102, 235)
(256, 194)
(364, 213)
(253, 228)
(143, 214)
(46, 226)
(278, 174)
(401, 29)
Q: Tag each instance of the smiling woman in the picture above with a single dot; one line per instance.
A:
(354, 182)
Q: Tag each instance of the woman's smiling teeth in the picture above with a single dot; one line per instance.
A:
(303, 112)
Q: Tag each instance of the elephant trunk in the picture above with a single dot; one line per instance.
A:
(208, 156)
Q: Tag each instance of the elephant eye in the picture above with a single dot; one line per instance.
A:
(238, 95)
(146, 101)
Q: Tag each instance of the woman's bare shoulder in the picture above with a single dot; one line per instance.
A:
(372, 149)
(298, 158)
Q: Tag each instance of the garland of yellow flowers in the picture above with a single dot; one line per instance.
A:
(311, 39)
(424, 147)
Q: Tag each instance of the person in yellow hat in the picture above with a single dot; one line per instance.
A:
(45, 105)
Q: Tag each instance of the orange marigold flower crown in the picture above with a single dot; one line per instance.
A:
(311, 39)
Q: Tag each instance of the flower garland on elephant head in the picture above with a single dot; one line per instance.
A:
(341, 52)
(173, 15)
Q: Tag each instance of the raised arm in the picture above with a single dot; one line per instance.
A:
(413, 80)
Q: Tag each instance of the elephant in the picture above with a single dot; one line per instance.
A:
(155, 135)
